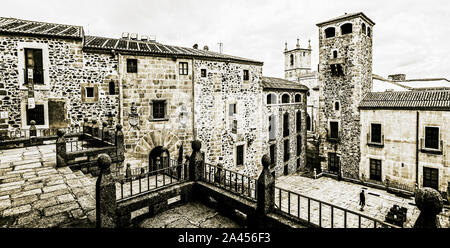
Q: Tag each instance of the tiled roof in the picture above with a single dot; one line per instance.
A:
(17, 26)
(347, 16)
(437, 100)
(154, 48)
(278, 83)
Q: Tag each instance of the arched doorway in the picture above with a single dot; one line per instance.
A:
(159, 158)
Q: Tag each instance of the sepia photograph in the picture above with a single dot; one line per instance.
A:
(248, 116)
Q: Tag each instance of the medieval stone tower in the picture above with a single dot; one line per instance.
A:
(345, 76)
(297, 61)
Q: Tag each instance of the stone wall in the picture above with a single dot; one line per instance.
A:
(222, 86)
(355, 55)
(157, 78)
(66, 68)
(279, 110)
(398, 155)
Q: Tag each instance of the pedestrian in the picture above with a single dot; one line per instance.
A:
(142, 173)
(362, 200)
(128, 171)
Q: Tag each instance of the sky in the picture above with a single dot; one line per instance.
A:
(410, 36)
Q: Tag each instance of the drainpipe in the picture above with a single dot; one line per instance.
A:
(119, 68)
(417, 147)
(194, 133)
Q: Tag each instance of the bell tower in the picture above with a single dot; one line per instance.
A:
(345, 76)
(297, 61)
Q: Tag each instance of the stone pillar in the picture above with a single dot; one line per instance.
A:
(265, 189)
(105, 194)
(33, 130)
(94, 128)
(105, 132)
(86, 126)
(430, 203)
(196, 163)
(60, 149)
(120, 147)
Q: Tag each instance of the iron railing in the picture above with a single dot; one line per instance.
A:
(141, 183)
(323, 214)
(48, 132)
(231, 181)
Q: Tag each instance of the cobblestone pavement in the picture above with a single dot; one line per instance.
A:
(345, 195)
(34, 194)
(191, 215)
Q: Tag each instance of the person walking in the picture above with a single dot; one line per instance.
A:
(128, 172)
(362, 200)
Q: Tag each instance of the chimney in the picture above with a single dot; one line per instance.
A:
(144, 38)
(397, 77)
(134, 36)
(125, 35)
(285, 46)
(298, 43)
(195, 46)
(206, 48)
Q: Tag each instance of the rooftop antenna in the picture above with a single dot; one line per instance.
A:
(220, 47)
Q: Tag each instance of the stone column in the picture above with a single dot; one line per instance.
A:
(94, 128)
(105, 131)
(33, 130)
(120, 147)
(265, 192)
(60, 149)
(430, 203)
(196, 163)
(105, 194)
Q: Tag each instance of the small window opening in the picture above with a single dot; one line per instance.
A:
(346, 28)
(330, 32)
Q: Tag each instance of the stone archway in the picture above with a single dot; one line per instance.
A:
(154, 139)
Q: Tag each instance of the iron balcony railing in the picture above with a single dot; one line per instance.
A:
(323, 214)
(141, 183)
(231, 181)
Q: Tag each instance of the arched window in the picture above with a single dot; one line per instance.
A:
(285, 125)
(308, 123)
(285, 98)
(271, 98)
(368, 31)
(363, 29)
(272, 128)
(335, 54)
(112, 88)
(298, 98)
(336, 106)
(299, 121)
(292, 60)
(346, 28)
(330, 32)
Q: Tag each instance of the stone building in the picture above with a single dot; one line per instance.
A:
(345, 76)
(284, 117)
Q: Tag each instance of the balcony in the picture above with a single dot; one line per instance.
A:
(372, 143)
(430, 150)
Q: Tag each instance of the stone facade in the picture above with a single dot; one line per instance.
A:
(345, 76)
(273, 117)
(66, 68)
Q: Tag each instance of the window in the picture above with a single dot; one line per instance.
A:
(89, 92)
(34, 65)
(183, 68)
(346, 28)
(159, 109)
(375, 131)
(432, 137)
(308, 123)
(286, 151)
(299, 145)
(335, 54)
(272, 129)
(431, 178)
(292, 60)
(240, 155)
(285, 98)
(333, 162)
(285, 125)
(368, 31)
(363, 29)
(334, 129)
(132, 65)
(330, 32)
(36, 114)
(232, 110)
(298, 98)
(272, 153)
(298, 121)
(375, 169)
(271, 99)
(203, 72)
(246, 75)
(336, 70)
(234, 126)
(336, 106)
(112, 88)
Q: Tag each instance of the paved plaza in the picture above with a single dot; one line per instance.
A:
(345, 195)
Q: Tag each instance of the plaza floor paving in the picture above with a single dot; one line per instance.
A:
(345, 195)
